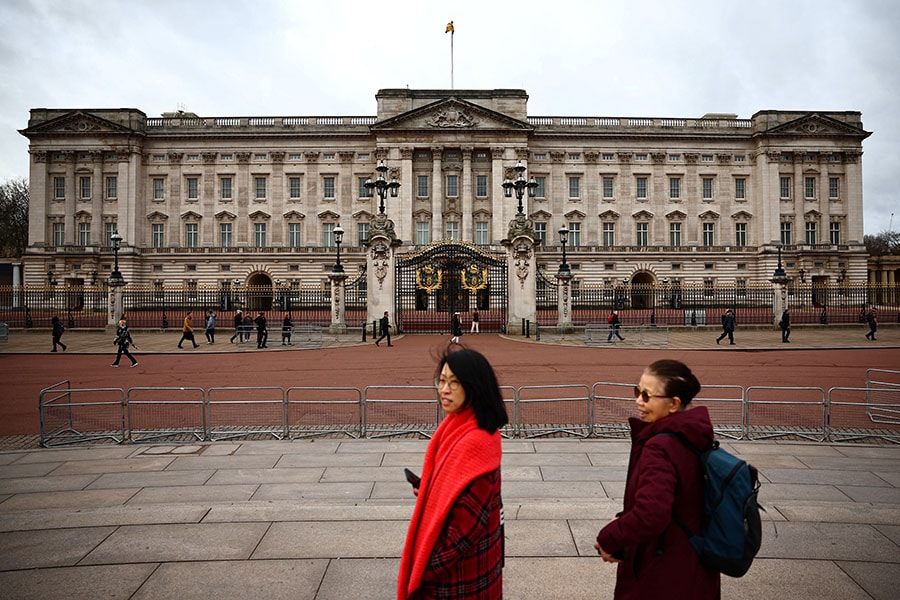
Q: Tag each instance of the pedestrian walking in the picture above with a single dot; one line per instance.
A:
(664, 478)
(475, 326)
(454, 544)
(287, 328)
(238, 321)
(614, 324)
(187, 331)
(728, 324)
(785, 324)
(262, 333)
(248, 327)
(455, 328)
(210, 327)
(872, 322)
(123, 340)
(56, 331)
(385, 325)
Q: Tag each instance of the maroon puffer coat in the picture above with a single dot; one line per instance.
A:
(663, 477)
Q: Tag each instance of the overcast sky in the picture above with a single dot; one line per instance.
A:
(652, 58)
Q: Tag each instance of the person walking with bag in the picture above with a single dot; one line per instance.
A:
(655, 557)
(238, 321)
(454, 544)
(475, 324)
(56, 330)
(287, 328)
(187, 331)
(123, 340)
(785, 324)
(384, 325)
(262, 332)
(872, 321)
(210, 327)
(455, 328)
(728, 324)
(613, 320)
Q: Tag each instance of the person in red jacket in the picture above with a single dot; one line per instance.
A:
(454, 545)
(655, 558)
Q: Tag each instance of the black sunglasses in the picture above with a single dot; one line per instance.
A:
(644, 396)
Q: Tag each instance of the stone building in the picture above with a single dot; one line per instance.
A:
(220, 201)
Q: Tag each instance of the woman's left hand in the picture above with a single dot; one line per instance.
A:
(607, 557)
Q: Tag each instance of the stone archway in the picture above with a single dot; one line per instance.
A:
(259, 292)
(643, 284)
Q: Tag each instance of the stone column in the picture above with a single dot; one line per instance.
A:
(17, 284)
(521, 273)
(338, 320)
(437, 194)
(467, 232)
(380, 260)
(564, 303)
(116, 304)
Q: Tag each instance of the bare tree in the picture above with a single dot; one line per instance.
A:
(883, 244)
(13, 217)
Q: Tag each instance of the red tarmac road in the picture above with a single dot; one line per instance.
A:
(411, 362)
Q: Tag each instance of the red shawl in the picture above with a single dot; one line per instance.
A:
(458, 453)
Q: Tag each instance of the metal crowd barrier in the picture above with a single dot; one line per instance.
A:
(70, 416)
(400, 410)
(878, 380)
(863, 413)
(802, 417)
(180, 414)
(315, 411)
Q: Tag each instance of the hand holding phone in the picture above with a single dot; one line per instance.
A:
(413, 479)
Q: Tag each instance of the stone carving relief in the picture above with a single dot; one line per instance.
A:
(522, 260)
(452, 117)
(380, 262)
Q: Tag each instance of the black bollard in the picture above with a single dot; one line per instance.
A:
(364, 331)
(71, 323)
(527, 329)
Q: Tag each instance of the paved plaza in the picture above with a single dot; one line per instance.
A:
(325, 518)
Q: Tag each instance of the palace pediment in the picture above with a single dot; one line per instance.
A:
(77, 122)
(814, 124)
(452, 114)
(609, 215)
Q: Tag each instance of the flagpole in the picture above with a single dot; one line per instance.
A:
(451, 59)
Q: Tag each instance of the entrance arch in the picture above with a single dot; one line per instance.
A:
(259, 292)
(448, 277)
(642, 285)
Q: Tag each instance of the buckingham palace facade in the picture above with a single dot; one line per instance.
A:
(208, 201)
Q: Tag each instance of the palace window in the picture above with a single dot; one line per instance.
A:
(225, 185)
(608, 183)
(740, 188)
(641, 188)
(574, 234)
(361, 188)
(809, 188)
(641, 234)
(294, 235)
(481, 186)
(674, 188)
(259, 235)
(59, 188)
(84, 184)
(328, 188)
(260, 184)
(541, 190)
(707, 183)
(540, 234)
(786, 233)
(84, 234)
(225, 235)
(740, 234)
(811, 237)
(452, 228)
(609, 234)
(709, 234)
(452, 186)
(423, 233)
(294, 188)
(834, 232)
(362, 233)
(159, 189)
(328, 235)
(481, 233)
(59, 234)
(191, 235)
(834, 188)
(574, 187)
(421, 186)
(674, 234)
(158, 235)
(193, 188)
(112, 187)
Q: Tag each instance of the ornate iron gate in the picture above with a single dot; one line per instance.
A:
(448, 277)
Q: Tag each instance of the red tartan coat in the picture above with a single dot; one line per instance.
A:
(663, 476)
(454, 546)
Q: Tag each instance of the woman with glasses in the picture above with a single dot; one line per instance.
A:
(655, 558)
(454, 545)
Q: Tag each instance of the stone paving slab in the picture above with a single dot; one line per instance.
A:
(543, 578)
(539, 538)
(297, 511)
(110, 582)
(183, 542)
(318, 539)
(62, 518)
(357, 492)
(836, 512)
(830, 541)
(67, 499)
(196, 493)
(151, 479)
(880, 580)
(25, 485)
(276, 475)
(48, 548)
(356, 578)
(228, 580)
(801, 579)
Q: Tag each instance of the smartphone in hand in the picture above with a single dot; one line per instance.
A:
(413, 479)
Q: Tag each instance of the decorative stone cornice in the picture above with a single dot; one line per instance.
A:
(557, 156)
(311, 156)
(209, 158)
(406, 153)
(242, 157)
(277, 157)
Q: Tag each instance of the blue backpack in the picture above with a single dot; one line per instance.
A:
(732, 528)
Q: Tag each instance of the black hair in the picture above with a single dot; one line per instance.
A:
(677, 379)
(479, 381)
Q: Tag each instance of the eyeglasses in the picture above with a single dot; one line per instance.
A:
(644, 395)
(452, 384)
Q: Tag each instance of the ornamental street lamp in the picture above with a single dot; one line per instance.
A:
(382, 185)
(338, 238)
(564, 270)
(779, 270)
(115, 277)
(520, 184)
